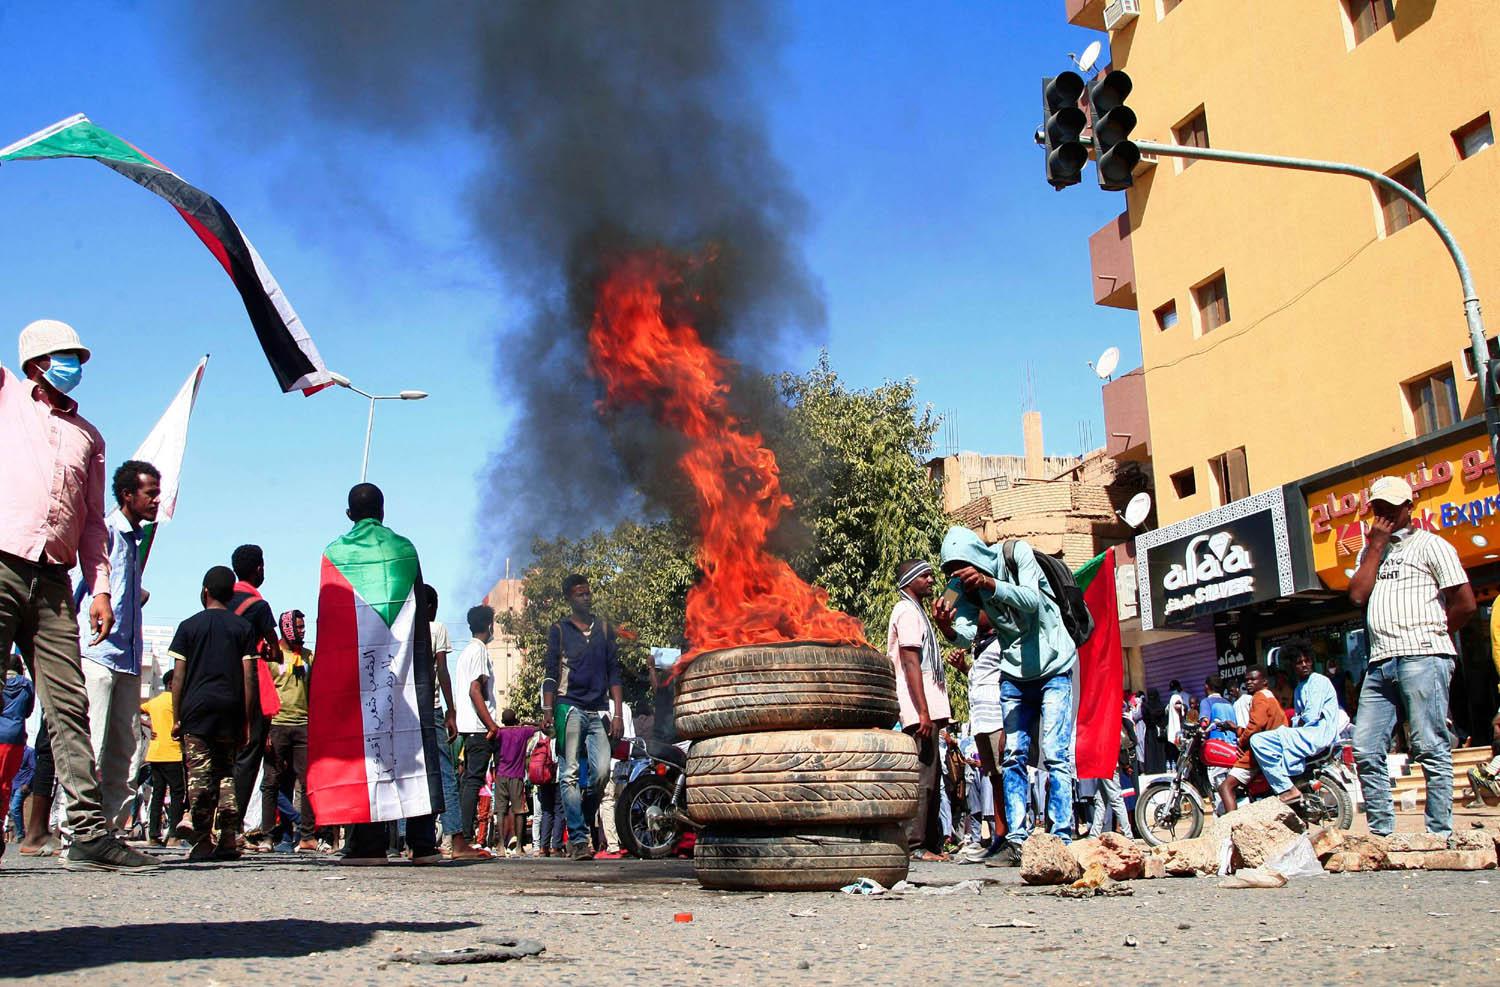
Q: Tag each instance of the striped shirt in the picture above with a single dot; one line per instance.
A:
(1405, 614)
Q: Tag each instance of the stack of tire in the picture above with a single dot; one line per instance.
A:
(795, 771)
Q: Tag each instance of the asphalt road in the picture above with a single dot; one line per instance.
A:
(285, 920)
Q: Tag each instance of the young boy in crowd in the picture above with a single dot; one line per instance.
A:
(213, 688)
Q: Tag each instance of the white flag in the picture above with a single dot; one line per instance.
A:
(167, 443)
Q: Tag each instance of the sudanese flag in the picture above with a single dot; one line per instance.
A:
(371, 738)
(293, 357)
(1101, 674)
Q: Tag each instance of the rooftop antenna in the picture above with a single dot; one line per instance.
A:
(1105, 366)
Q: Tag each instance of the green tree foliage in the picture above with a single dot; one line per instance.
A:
(852, 462)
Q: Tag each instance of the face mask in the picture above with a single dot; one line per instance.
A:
(65, 372)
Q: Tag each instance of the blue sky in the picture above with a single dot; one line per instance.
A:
(942, 253)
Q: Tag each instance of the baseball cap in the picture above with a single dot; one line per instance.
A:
(1391, 489)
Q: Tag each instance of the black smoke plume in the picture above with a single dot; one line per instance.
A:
(605, 123)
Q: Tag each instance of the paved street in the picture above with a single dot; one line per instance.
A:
(278, 919)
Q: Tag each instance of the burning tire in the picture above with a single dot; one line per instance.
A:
(802, 859)
(803, 777)
(785, 687)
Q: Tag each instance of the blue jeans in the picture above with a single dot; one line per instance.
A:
(550, 836)
(1419, 684)
(1026, 707)
(451, 819)
(18, 825)
(582, 770)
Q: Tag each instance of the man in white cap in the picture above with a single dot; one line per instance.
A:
(51, 517)
(1415, 594)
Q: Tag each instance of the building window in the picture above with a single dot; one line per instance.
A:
(1474, 137)
(1368, 16)
(1230, 476)
(1192, 132)
(1184, 484)
(1212, 299)
(1395, 212)
(1166, 316)
(1434, 401)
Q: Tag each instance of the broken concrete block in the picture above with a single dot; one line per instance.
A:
(1045, 860)
(1121, 859)
(1259, 840)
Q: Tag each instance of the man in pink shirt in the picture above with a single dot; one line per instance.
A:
(922, 688)
(51, 519)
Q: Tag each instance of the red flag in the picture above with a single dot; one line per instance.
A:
(1100, 673)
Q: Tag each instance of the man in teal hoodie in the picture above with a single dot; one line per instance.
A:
(1037, 659)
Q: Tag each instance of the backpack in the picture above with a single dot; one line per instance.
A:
(541, 767)
(1063, 590)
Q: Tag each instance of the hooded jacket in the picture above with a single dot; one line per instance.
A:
(1034, 643)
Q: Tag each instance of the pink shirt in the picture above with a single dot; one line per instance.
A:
(52, 497)
(909, 628)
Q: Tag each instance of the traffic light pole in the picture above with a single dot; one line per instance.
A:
(1472, 313)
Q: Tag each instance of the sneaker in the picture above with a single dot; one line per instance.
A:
(285, 846)
(1007, 856)
(975, 853)
(580, 851)
(107, 853)
(202, 850)
(611, 855)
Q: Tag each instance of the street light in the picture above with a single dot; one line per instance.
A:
(345, 383)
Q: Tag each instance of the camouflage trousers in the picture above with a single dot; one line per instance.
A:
(210, 784)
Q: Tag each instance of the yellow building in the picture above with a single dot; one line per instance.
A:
(1291, 322)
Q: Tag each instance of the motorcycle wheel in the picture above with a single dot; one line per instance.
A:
(1157, 823)
(645, 818)
(1338, 807)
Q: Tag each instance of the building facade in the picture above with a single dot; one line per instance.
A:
(1302, 333)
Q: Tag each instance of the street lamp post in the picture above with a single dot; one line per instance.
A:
(345, 383)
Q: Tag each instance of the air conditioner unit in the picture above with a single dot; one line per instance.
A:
(1118, 13)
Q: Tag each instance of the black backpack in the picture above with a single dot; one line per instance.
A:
(1063, 590)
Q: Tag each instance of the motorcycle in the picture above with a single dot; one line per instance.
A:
(1174, 808)
(651, 811)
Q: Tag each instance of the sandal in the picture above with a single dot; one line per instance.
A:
(928, 857)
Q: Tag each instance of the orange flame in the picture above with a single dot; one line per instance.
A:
(644, 356)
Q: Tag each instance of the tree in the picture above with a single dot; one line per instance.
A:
(640, 574)
(852, 462)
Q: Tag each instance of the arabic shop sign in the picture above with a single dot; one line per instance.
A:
(1456, 497)
(1226, 558)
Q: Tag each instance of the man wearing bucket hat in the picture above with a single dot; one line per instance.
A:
(51, 519)
(1415, 594)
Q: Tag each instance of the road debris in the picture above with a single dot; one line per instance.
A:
(496, 950)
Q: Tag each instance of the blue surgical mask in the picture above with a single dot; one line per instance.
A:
(65, 372)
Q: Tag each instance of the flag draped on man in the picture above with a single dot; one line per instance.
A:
(371, 742)
(1101, 675)
(289, 349)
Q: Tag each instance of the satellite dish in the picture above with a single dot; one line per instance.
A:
(1090, 56)
(1137, 510)
(1108, 361)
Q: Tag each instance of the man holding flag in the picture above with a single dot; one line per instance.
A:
(372, 738)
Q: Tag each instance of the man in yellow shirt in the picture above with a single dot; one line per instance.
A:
(286, 746)
(164, 755)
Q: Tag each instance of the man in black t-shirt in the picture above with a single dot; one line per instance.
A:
(250, 572)
(213, 686)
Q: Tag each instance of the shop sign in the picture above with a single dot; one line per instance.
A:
(1456, 498)
(1237, 554)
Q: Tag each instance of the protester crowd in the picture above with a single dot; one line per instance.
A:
(231, 757)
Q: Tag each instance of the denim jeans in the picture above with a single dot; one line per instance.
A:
(451, 817)
(1419, 684)
(1028, 708)
(550, 825)
(582, 769)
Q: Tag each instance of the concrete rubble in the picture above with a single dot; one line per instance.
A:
(1244, 841)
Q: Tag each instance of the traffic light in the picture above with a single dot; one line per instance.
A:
(1063, 129)
(1115, 154)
